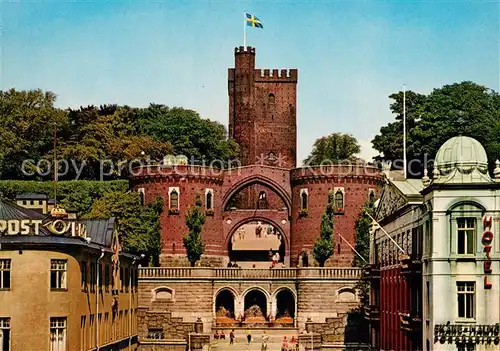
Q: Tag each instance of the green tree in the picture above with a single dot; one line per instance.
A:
(26, 128)
(193, 241)
(138, 225)
(187, 132)
(458, 109)
(363, 224)
(333, 148)
(323, 248)
(75, 194)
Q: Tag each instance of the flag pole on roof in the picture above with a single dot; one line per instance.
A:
(244, 30)
(404, 131)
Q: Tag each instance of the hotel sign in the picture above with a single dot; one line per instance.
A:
(20, 226)
(467, 334)
(487, 239)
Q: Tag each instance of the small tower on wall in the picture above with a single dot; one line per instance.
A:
(262, 111)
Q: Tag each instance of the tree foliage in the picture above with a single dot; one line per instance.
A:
(323, 247)
(138, 225)
(193, 241)
(363, 224)
(75, 194)
(458, 109)
(100, 140)
(335, 147)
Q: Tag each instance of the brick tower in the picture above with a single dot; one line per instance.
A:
(262, 111)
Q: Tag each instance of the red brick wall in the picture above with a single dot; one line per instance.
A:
(258, 123)
(306, 229)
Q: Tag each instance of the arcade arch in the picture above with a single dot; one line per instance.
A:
(225, 305)
(251, 242)
(255, 306)
(284, 306)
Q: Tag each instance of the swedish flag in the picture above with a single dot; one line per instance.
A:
(253, 21)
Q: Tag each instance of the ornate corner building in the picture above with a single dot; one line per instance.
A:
(256, 209)
(434, 265)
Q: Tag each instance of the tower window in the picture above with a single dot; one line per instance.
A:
(209, 199)
(271, 99)
(339, 200)
(173, 199)
(304, 202)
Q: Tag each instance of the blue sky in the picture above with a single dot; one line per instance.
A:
(350, 54)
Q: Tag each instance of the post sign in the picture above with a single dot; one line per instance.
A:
(487, 239)
(20, 226)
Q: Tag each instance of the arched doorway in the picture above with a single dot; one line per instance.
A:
(285, 307)
(255, 307)
(254, 243)
(225, 307)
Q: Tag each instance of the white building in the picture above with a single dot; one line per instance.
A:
(447, 229)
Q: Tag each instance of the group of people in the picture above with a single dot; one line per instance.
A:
(286, 345)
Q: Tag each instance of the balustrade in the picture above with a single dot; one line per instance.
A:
(249, 273)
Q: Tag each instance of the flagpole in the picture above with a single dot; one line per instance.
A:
(404, 130)
(244, 30)
(383, 230)
(353, 249)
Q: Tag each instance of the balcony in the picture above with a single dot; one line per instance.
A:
(202, 273)
(372, 313)
(410, 322)
(410, 266)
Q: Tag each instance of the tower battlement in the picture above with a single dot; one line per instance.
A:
(244, 50)
(276, 75)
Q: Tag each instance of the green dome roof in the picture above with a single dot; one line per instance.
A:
(461, 155)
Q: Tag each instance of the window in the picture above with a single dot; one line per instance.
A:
(174, 200)
(271, 156)
(32, 202)
(156, 333)
(5, 265)
(142, 195)
(339, 200)
(100, 277)
(121, 279)
(106, 277)
(58, 274)
(93, 274)
(303, 199)
(58, 334)
(208, 200)
(83, 322)
(271, 100)
(466, 235)
(127, 279)
(5, 334)
(262, 203)
(83, 273)
(466, 299)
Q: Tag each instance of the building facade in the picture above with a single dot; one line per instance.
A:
(64, 283)
(435, 256)
(265, 186)
(262, 206)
